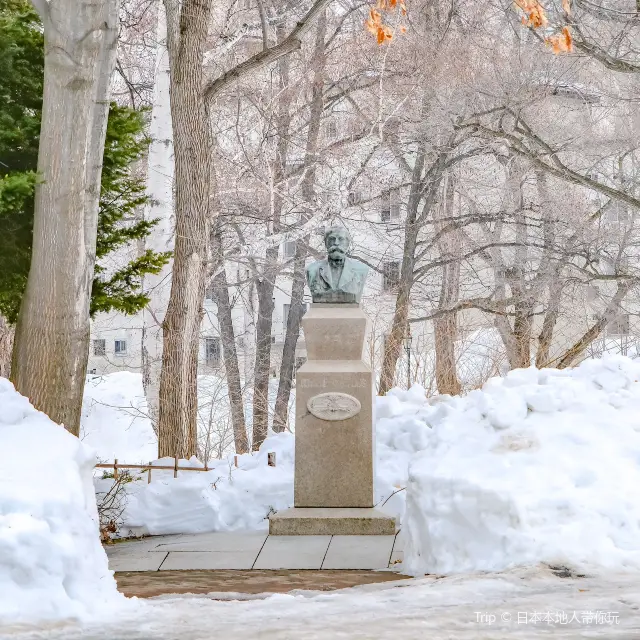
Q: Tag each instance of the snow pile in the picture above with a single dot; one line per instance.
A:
(114, 418)
(226, 498)
(51, 562)
(539, 466)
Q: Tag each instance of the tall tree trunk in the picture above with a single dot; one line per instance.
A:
(52, 336)
(160, 172)
(399, 324)
(6, 346)
(287, 365)
(445, 328)
(265, 283)
(187, 27)
(262, 365)
(229, 351)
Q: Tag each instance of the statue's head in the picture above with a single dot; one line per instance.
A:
(337, 241)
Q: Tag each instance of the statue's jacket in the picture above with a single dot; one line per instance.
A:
(352, 279)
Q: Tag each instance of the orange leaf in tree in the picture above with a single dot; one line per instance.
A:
(535, 14)
(562, 42)
(374, 22)
(566, 5)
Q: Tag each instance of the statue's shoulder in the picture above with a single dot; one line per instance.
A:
(313, 267)
(358, 267)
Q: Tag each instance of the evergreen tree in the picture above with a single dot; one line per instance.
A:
(122, 192)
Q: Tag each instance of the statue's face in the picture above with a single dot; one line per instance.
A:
(337, 243)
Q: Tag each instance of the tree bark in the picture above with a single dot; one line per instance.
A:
(445, 328)
(287, 366)
(6, 346)
(187, 27)
(229, 351)
(52, 335)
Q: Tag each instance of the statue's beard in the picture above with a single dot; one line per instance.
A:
(336, 255)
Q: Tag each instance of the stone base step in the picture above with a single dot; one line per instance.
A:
(323, 521)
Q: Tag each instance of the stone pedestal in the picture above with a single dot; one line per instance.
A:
(334, 472)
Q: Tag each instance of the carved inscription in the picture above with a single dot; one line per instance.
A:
(333, 406)
(357, 383)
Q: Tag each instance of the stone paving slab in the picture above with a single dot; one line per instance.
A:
(251, 550)
(359, 552)
(184, 560)
(306, 552)
(149, 561)
(223, 541)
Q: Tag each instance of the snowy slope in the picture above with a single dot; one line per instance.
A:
(51, 562)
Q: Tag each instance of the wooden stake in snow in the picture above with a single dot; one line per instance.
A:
(271, 458)
(235, 460)
(115, 469)
(175, 466)
(149, 476)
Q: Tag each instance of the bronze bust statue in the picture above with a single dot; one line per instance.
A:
(338, 279)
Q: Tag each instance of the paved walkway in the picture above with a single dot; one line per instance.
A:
(251, 550)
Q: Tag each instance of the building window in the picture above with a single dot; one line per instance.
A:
(100, 347)
(354, 197)
(619, 325)
(390, 275)
(273, 339)
(120, 347)
(390, 205)
(285, 313)
(332, 130)
(289, 249)
(212, 351)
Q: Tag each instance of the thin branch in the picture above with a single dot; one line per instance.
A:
(291, 43)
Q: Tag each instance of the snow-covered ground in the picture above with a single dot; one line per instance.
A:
(526, 603)
(51, 562)
(513, 474)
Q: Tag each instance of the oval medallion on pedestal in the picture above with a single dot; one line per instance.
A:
(334, 406)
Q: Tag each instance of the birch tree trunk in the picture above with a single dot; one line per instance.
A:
(187, 27)
(52, 335)
(287, 366)
(160, 174)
